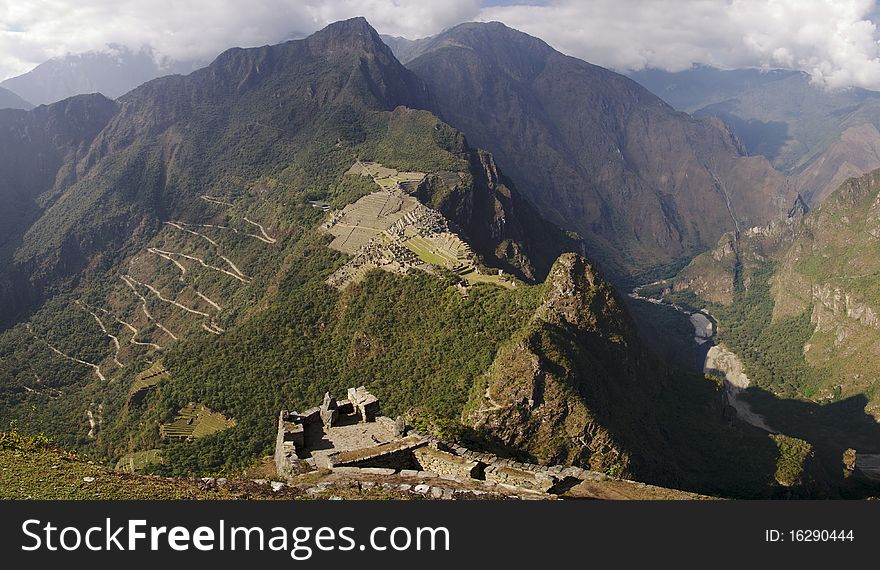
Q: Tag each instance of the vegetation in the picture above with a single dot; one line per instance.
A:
(793, 457)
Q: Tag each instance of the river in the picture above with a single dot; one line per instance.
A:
(716, 359)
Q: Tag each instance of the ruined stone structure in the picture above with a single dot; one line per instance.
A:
(350, 436)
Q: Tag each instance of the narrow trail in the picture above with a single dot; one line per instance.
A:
(493, 404)
(166, 331)
(209, 301)
(212, 327)
(195, 233)
(164, 299)
(215, 200)
(113, 338)
(130, 327)
(131, 284)
(94, 367)
(168, 257)
(237, 276)
(234, 268)
(240, 275)
(265, 238)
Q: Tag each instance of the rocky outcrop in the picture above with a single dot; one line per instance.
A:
(838, 314)
(552, 390)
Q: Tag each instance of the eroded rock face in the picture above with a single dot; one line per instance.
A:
(831, 303)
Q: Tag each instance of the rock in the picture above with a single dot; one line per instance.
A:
(277, 486)
(427, 474)
(436, 492)
(399, 427)
(378, 470)
(409, 473)
(88, 479)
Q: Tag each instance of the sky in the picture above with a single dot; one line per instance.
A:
(836, 41)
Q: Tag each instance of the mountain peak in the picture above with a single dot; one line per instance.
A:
(347, 36)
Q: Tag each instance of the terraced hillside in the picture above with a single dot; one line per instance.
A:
(392, 230)
(188, 237)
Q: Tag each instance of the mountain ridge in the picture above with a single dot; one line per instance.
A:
(595, 151)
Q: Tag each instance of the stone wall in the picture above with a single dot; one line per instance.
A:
(514, 477)
(445, 463)
(396, 455)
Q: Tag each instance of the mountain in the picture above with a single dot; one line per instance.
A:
(702, 85)
(405, 49)
(209, 249)
(598, 154)
(40, 150)
(577, 385)
(818, 136)
(797, 302)
(112, 73)
(9, 100)
(185, 229)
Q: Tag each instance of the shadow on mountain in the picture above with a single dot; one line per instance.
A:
(758, 137)
(832, 429)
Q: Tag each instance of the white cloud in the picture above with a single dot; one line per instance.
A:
(33, 31)
(834, 40)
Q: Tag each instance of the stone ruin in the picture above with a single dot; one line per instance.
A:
(351, 436)
(301, 433)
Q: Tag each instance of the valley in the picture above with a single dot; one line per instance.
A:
(453, 228)
(713, 358)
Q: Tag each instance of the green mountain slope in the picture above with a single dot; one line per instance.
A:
(797, 302)
(190, 233)
(184, 256)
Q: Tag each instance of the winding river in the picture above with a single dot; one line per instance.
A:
(716, 358)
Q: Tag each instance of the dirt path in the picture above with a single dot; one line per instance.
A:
(95, 368)
(130, 327)
(165, 255)
(131, 284)
(215, 200)
(113, 338)
(238, 276)
(265, 238)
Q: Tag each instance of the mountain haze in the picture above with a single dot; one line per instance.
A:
(9, 100)
(111, 73)
(817, 136)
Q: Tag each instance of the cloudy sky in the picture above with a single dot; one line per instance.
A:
(836, 41)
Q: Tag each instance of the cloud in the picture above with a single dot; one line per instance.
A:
(833, 40)
(36, 30)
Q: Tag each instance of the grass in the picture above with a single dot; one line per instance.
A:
(426, 253)
(32, 468)
(137, 461)
(195, 421)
